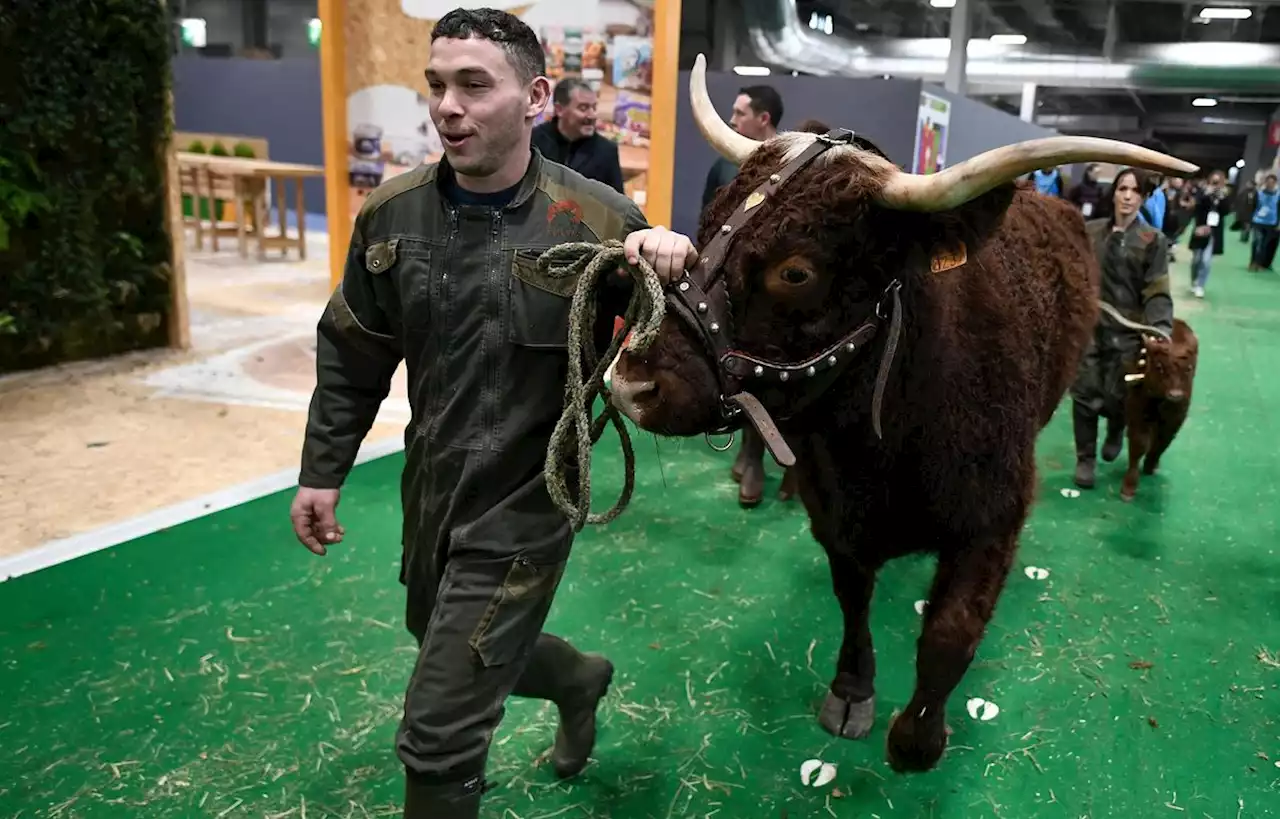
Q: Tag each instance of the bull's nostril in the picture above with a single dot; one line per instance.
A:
(628, 394)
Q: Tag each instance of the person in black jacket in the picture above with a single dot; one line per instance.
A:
(1212, 206)
(570, 139)
(757, 110)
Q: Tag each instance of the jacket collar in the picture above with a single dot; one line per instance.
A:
(527, 186)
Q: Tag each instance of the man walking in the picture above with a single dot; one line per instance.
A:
(570, 137)
(442, 272)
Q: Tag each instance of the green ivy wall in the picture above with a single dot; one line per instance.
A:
(84, 126)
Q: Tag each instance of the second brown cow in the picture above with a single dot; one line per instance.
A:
(1158, 400)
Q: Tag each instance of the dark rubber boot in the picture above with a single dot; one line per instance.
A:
(1114, 444)
(575, 682)
(576, 736)
(449, 801)
(1085, 423)
(751, 455)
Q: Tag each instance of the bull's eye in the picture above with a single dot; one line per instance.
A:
(795, 276)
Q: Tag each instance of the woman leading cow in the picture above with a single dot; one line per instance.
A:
(1135, 280)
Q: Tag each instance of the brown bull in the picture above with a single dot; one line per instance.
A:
(912, 335)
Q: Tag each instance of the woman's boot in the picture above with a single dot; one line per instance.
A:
(1085, 422)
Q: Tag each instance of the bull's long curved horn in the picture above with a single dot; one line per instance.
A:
(730, 144)
(969, 179)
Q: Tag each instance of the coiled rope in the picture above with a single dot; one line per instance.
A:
(575, 432)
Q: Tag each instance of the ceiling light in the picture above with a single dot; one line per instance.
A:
(943, 4)
(1219, 13)
(1204, 102)
(1009, 39)
(751, 70)
(1239, 163)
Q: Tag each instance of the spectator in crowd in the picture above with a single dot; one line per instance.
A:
(1155, 204)
(1089, 195)
(1265, 211)
(757, 112)
(569, 138)
(1049, 181)
(1212, 205)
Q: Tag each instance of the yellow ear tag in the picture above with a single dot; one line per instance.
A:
(949, 259)
(754, 199)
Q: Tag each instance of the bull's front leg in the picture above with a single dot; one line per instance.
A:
(850, 707)
(1139, 444)
(963, 598)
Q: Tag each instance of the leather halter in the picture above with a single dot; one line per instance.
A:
(701, 299)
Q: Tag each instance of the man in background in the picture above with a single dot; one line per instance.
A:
(757, 112)
(570, 137)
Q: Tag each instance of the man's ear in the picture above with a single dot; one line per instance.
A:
(539, 96)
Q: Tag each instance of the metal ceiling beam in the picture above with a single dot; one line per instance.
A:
(780, 38)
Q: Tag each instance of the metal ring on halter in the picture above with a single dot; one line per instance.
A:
(726, 447)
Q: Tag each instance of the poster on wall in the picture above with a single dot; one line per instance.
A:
(933, 125)
(607, 43)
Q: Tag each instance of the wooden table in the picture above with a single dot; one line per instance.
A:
(250, 179)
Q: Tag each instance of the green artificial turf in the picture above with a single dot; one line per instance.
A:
(218, 669)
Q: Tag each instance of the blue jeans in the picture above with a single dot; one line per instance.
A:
(1201, 259)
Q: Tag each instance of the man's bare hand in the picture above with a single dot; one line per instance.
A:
(314, 516)
(669, 253)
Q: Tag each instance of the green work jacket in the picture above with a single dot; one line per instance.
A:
(454, 291)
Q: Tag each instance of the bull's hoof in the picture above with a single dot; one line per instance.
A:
(851, 720)
(1150, 467)
(915, 744)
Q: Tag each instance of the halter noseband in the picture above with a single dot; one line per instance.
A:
(701, 300)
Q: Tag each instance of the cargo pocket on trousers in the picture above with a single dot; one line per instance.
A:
(517, 611)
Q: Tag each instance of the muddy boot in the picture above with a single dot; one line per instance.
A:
(575, 682)
(751, 483)
(453, 800)
(788, 489)
(1114, 443)
(1085, 422)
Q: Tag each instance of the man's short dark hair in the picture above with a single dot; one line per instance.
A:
(505, 30)
(765, 99)
(566, 87)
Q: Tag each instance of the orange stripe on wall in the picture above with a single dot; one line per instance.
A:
(662, 118)
(333, 97)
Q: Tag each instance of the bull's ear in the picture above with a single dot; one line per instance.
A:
(952, 236)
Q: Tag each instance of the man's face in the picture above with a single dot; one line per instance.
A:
(1128, 197)
(746, 121)
(1216, 181)
(578, 116)
(1270, 185)
(478, 104)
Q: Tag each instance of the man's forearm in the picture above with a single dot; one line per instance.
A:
(351, 384)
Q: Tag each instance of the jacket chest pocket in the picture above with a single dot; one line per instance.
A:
(401, 270)
(539, 304)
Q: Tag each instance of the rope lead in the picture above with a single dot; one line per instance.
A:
(569, 453)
